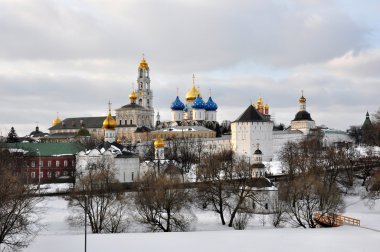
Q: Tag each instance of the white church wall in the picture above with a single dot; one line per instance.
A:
(246, 136)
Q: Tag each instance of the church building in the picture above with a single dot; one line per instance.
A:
(196, 110)
(253, 127)
(131, 120)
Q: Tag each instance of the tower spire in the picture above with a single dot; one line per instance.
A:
(302, 101)
(109, 106)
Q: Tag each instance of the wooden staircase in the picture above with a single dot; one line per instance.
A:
(334, 220)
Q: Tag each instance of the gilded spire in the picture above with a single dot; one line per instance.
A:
(302, 99)
(143, 63)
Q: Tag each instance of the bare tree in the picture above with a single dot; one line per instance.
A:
(19, 210)
(374, 189)
(106, 207)
(182, 151)
(162, 203)
(225, 185)
(312, 181)
(279, 215)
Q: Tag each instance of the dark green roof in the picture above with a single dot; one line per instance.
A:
(302, 116)
(48, 149)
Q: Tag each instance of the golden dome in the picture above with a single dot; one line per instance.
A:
(143, 64)
(193, 92)
(109, 122)
(260, 101)
(266, 106)
(132, 96)
(56, 121)
(302, 99)
(159, 143)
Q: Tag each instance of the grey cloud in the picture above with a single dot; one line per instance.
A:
(72, 56)
(181, 35)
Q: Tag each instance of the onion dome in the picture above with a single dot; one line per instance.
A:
(260, 101)
(56, 121)
(199, 103)
(132, 96)
(177, 104)
(109, 122)
(159, 143)
(302, 99)
(266, 106)
(258, 151)
(211, 105)
(192, 94)
(143, 64)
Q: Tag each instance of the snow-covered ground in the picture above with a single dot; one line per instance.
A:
(209, 235)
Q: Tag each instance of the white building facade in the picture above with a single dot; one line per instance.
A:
(125, 164)
(249, 130)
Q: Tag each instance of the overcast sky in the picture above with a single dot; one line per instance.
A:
(73, 56)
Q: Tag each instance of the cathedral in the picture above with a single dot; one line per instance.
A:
(196, 110)
(130, 124)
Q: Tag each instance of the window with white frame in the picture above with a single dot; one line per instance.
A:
(57, 163)
(65, 163)
(49, 163)
(32, 174)
(33, 164)
(41, 163)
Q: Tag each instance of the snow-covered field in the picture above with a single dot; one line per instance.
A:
(209, 235)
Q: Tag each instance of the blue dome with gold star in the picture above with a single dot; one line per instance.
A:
(211, 105)
(177, 104)
(198, 103)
